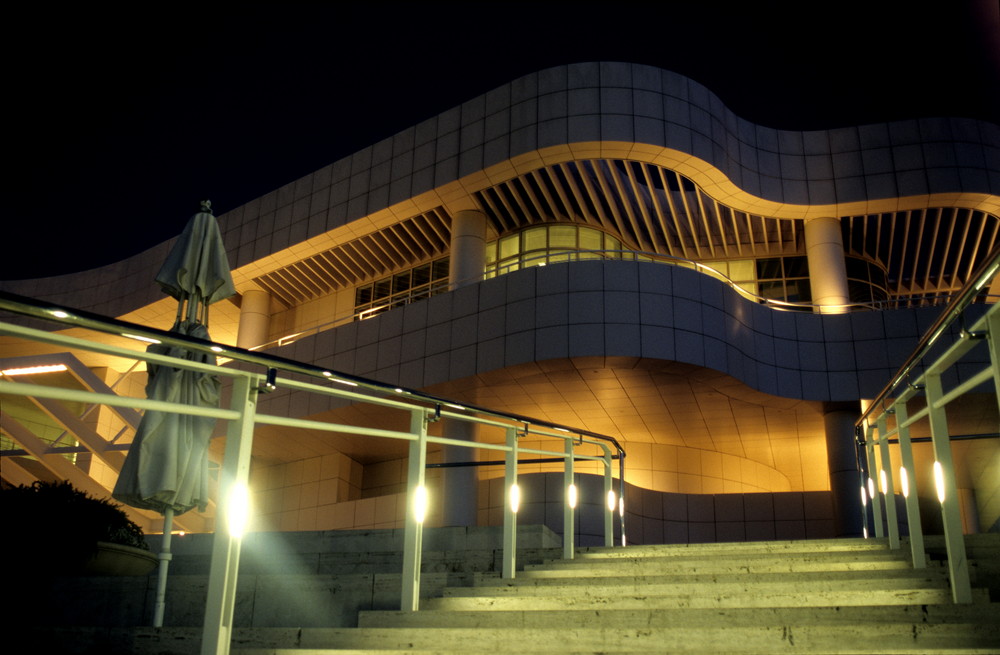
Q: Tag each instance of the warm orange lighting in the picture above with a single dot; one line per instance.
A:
(515, 498)
(939, 481)
(571, 496)
(32, 370)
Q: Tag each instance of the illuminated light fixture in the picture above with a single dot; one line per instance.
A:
(864, 497)
(32, 370)
(141, 338)
(58, 313)
(420, 503)
(328, 374)
(865, 532)
(562, 430)
(515, 498)
(612, 500)
(621, 511)
(398, 390)
(454, 406)
(904, 481)
(571, 496)
(939, 481)
(883, 482)
(871, 488)
(238, 511)
(347, 382)
(216, 349)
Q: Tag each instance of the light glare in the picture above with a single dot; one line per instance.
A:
(612, 500)
(571, 496)
(939, 481)
(904, 481)
(420, 503)
(239, 510)
(515, 498)
(883, 482)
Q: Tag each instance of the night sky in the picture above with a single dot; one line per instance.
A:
(119, 122)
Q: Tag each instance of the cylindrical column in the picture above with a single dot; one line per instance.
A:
(460, 485)
(255, 319)
(838, 421)
(468, 248)
(827, 270)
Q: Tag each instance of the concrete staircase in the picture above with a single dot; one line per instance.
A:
(829, 596)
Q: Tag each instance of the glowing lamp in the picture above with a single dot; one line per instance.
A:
(883, 482)
(420, 503)
(515, 498)
(238, 511)
(904, 482)
(571, 496)
(612, 500)
(939, 481)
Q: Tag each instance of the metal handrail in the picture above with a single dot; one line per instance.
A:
(959, 302)
(242, 416)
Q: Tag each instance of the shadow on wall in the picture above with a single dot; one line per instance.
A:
(656, 517)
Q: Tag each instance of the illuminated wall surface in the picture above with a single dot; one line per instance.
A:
(640, 240)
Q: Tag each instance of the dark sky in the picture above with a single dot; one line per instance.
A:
(119, 122)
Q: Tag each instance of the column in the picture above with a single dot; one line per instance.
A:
(255, 319)
(827, 270)
(468, 248)
(838, 421)
(460, 485)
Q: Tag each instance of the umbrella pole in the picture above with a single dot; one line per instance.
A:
(165, 557)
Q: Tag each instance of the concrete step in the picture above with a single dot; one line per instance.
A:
(635, 586)
(535, 578)
(591, 598)
(706, 566)
(985, 613)
(715, 549)
(891, 638)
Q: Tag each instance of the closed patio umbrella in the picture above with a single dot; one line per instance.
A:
(166, 469)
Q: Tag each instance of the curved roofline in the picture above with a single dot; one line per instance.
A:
(580, 111)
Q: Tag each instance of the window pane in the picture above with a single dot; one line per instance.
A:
(439, 270)
(797, 267)
(421, 275)
(611, 243)
(509, 246)
(768, 269)
(534, 239)
(401, 282)
(363, 295)
(590, 239)
(382, 289)
(741, 271)
(563, 236)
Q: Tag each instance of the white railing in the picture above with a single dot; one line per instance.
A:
(571, 444)
(889, 417)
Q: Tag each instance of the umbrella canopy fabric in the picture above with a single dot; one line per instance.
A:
(167, 464)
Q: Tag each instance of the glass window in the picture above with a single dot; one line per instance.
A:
(509, 246)
(363, 295)
(533, 239)
(421, 275)
(383, 288)
(439, 270)
(564, 236)
(769, 269)
(401, 282)
(742, 270)
(591, 239)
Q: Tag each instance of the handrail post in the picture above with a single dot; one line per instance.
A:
(217, 632)
(872, 494)
(609, 509)
(416, 510)
(569, 502)
(511, 498)
(958, 565)
(909, 486)
(888, 493)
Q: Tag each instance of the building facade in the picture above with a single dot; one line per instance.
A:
(605, 246)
